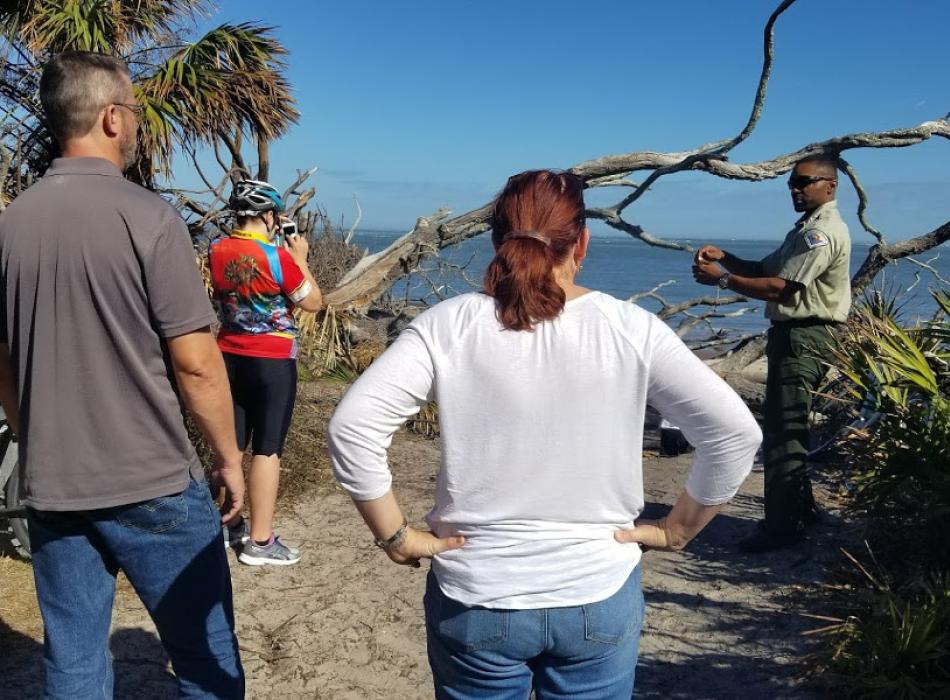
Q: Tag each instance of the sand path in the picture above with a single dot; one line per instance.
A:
(346, 623)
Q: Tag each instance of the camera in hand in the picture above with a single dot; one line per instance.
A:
(288, 228)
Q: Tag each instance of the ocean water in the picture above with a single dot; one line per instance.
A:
(622, 266)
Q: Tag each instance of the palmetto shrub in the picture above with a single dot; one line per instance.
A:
(902, 466)
(893, 635)
(896, 645)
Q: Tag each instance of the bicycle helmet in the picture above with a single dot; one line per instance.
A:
(254, 197)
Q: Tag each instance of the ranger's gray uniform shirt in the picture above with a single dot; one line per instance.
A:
(816, 253)
(96, 273)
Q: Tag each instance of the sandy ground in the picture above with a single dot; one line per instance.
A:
(346, 623)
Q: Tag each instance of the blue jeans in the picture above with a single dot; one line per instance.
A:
(170, 550)
(582, 652)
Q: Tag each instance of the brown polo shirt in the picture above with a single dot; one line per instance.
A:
(96, 273)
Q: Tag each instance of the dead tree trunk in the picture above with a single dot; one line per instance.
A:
(882, 254)
(375, 274)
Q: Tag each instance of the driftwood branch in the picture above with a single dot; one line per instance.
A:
(744, 354)
(758, 103)
(215, 211)
(191, 205)
(652, 293)
(214, 214)
(601, 172)
(925, 265)
(685, 164)
(691, 320)
(302, 177)
(766, 169)
(434, 234)
(882, 254)
(612, 218)
(193, 156)
(302, 200)
(218, 157)
(673, 309)
(612, 181)
(705, 318)
(726, 341)
(862, 199)
(718, 150)
(375, 274)
(431, 234)
(356, 222)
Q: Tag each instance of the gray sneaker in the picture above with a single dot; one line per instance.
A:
(237, 535)
(274, 552)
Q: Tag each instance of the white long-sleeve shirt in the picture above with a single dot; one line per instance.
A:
(542, 436)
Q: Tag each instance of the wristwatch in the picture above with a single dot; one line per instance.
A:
(723, 281)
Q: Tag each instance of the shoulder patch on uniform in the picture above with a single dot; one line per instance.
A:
(815, 239)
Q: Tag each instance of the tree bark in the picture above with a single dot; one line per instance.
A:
(263, 157)
(882, 254)
(377, 273)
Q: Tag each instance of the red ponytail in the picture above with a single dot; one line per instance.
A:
(536, 219)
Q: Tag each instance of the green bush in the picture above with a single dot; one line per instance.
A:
(893, 636)
(897, 646)
(901, 465)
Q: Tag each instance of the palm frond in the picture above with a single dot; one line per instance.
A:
(227, 81)
(152, 20)
(13, 15)
(60, 25)
(107, 26)
(942, 297)
(902, 355)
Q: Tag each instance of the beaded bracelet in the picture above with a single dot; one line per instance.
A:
(393, 541)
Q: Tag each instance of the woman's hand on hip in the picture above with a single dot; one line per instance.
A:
(418, 544)
(652, 534)
(672, 533)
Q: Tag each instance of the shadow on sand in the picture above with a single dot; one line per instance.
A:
(21, 664)
(141, 666)
(732, 625)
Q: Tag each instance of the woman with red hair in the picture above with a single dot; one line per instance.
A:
(542, 387)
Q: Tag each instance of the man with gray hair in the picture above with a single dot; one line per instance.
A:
(104, 334)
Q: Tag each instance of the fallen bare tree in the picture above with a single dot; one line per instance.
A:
(365, 283)
(362, 285)
(376, 273)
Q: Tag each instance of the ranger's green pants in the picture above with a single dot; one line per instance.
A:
(795, 371)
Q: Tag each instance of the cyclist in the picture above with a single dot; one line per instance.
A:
(258, 280)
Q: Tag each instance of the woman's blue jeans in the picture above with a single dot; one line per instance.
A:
(582, 652)
(170, 549)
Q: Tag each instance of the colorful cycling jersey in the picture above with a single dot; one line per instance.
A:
(256, 284)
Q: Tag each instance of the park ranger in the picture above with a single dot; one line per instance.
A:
(806, 285)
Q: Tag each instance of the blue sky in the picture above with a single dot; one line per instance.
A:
(414, 105)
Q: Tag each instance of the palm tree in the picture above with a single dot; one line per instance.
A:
(212, 90)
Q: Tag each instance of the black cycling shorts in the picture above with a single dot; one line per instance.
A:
(263, 390)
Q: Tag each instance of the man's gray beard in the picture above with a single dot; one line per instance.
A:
(130, 152)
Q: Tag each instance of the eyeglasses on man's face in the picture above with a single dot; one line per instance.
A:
(136, 109)
(800, 182)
